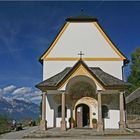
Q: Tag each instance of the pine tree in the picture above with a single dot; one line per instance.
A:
(134, 76)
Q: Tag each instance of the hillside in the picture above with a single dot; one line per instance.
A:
(18, 109)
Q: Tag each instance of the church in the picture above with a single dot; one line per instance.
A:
(83, 83)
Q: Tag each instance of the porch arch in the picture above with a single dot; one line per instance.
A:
(82, 89)
(93, 107)
(82, 85)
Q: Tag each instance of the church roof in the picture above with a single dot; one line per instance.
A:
(133, 96)
(80, 18)
(107, 80)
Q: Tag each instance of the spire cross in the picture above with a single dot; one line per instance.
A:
(80, 54)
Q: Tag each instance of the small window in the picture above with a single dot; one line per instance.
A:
(105, 111)
(60, 112)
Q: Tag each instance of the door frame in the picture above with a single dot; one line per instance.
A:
(81, 105)
(90, 102)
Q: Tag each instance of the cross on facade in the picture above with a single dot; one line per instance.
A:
(80, 54)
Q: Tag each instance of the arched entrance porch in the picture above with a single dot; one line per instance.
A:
(82, 90)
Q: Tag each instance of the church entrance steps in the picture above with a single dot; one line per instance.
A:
(76, 133)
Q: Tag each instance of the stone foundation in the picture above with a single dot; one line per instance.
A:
(122, 125)
(43, 125)
(63, 125)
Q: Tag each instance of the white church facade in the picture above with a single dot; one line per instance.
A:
(83, 78)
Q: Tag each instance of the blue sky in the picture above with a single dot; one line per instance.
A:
(28, 28)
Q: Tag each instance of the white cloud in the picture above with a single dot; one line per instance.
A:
(1, 92)
(36, 98)
(36, 95)
(23, 90)
(22, 93)
(9, 89)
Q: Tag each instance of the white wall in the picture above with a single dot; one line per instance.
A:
(113, 120)
(51, 112)
(58, 120)
(86, 38)
(83, 37)
(112, 102)
(95, 110)
(50, 68)
(53, 121)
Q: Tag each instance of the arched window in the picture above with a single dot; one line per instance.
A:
(105, 111)
(60, 112)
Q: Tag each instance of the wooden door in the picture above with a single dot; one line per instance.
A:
(79, 116)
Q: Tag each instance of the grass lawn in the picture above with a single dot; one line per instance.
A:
(4, 125)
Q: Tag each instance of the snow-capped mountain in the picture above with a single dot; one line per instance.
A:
(18, 109)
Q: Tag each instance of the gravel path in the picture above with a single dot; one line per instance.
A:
(18, 134)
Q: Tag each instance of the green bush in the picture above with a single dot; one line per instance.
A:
(4, 124)
(94, 120)
(71, 120)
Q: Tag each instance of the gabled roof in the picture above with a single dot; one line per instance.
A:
(82, 18)
(108, 81)
(133, 96)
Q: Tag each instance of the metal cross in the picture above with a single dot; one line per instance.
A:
(80, 54)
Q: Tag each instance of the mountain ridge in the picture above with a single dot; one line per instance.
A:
(18, 109)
